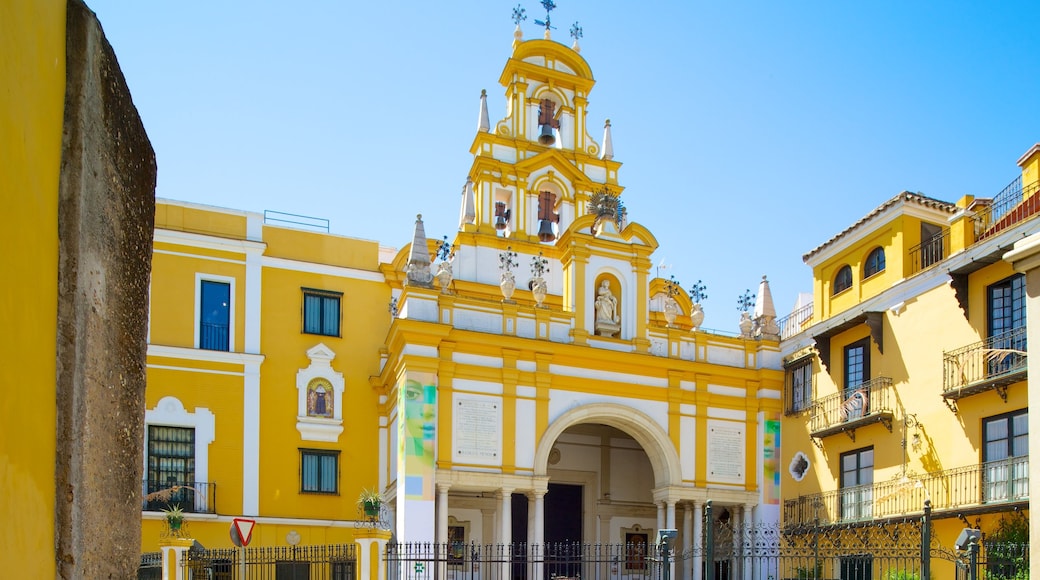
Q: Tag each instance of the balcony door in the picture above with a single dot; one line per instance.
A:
(1006, 310)
(857, 481)
(1005, 457)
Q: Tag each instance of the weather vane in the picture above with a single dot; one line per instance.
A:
(575, 31)
(549, 5)
(519, 14)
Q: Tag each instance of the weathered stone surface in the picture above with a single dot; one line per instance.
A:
(105, 223)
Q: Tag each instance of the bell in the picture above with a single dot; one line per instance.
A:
(501, 215)
(500, 223)
(547, 137)
(545, 231)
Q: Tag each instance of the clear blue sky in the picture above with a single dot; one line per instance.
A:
(749, 132)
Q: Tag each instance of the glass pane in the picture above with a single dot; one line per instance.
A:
(311, 314)
(215, 314)
(310, 472)
(328, 473)
(331, 316)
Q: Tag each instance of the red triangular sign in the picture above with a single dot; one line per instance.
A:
(245, 529)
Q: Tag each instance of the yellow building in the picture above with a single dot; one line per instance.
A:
(906, 376)
(530, 381)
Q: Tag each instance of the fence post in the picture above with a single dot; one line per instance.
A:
(371, 550)
(926, 541)
(709, 545)
(973, 559)
(173, 556)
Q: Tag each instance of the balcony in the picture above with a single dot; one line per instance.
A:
(986, 487)
(197, 497)
(930, 252)
(794, 322)
(991, 364)
(1013, 205)
(865, 404)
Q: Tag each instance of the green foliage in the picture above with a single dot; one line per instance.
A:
(1007, 548)
(174, 516)
(901, 575)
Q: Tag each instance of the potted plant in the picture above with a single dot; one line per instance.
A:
(539, 289)
(746, 303)
(174, 517)
(370, 501)
(671, 307)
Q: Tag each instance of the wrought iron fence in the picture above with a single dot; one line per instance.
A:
(151, 566)
(985, 363)
(198, 497)
(331, 562)
(994, 482)
(861, 404)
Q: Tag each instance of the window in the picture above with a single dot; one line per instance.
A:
(857, 365)
(799, 385)
(171, 462)
(321, 312)
(875, 262)
(857, 478)
(319, 471)
(215, 315)
(1005, 451)
(1007, 305)
(843, 281)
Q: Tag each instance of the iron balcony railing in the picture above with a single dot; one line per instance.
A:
(992, 363)
(791, 324)
(994, 483)
(861, 405)
(1013, 205)
(930, 252)
(198, 497)
(213, 336)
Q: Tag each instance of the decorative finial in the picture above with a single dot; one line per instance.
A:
(608, 142)
(519, 14)
(548, 5)
(576, 34)
(483, 120)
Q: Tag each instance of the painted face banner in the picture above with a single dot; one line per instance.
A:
(771, 462)
(418, 437)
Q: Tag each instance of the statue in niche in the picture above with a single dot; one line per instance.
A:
(320, 399)
(608, 323)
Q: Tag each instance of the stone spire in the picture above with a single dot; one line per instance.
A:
(418, 268)
(468, 214)
(483, 123)
(765, 313)
(608, 143)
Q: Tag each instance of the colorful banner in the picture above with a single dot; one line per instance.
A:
(417, 410)
(771, 462)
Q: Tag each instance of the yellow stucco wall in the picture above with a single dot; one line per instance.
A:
(32, 74)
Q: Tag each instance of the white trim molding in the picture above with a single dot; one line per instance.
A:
(170, 412)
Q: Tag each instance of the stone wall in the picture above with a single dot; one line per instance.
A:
(105, 224)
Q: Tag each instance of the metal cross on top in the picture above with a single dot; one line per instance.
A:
(575, 31)
(548, 5)
(519, 15)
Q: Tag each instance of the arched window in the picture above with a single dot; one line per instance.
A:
(875, 262)
(843, 281)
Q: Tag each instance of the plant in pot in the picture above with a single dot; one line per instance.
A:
(697, 293)
(369, 502)
(174, 517)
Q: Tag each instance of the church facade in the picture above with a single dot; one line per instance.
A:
(530, 380)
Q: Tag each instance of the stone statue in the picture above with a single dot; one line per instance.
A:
(606, 304)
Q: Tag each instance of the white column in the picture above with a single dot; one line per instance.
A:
(746, 538)
(1025, 258)
(689, 546)
(669, 514)
(736, 558)
(660, 516)
(698, 539)
(441, 536)
(505, 528)
(536, 532)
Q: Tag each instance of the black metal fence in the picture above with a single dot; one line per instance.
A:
(332, 562)
(891, 550)
(151, 566)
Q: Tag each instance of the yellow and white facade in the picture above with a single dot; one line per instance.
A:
(907, 376)
(577, 402)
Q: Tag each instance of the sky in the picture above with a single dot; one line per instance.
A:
(749, 132)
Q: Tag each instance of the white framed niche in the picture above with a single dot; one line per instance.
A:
(320, 397)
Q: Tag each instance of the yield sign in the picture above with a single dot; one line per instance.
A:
(244, 528)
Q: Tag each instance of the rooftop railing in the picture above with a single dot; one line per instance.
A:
(992, 484)
(992, 363)
(861, 405)
(1014, 204)
(930, 252)
(793, 323)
